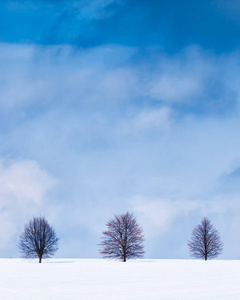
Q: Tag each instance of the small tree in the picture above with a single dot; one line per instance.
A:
(205, 241)
(123, 238)
(38, 239)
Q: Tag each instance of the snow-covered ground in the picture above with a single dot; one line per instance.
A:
(93, 279)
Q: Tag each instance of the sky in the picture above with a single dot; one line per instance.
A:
(109, 106)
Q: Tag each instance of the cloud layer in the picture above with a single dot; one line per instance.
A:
(86, 133)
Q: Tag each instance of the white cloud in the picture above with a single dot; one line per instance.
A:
(195, 77)
(23, 186)
(146, 121)
(175, 87)
(24, 181)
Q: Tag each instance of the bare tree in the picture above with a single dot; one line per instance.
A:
(38, 239)
(123, 238)
(205, 241)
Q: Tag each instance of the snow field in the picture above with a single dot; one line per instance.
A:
(94, 279)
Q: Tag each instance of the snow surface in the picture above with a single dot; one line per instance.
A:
(94, 279)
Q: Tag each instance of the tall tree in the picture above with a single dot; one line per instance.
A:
(205, 242)
(38, 239)
(123, 238)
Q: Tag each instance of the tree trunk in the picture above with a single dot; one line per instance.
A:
(205, 245)
(40, 259)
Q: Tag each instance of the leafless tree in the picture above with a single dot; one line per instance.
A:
(205, 241)
(123, 238)
(38, 239)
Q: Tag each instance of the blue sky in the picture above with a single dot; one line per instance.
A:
(109, 106)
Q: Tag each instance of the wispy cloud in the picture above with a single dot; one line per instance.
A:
(189, 80)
